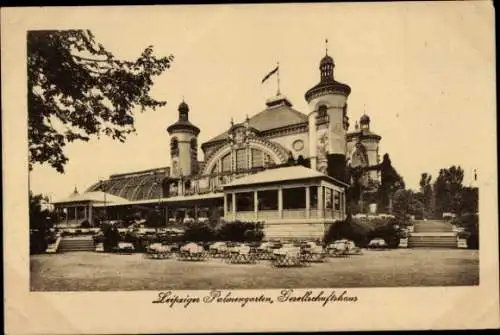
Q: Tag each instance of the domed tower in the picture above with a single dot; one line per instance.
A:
(328, 121)
(364, 143)
(364, 122)
(183, 144)
(371, 142)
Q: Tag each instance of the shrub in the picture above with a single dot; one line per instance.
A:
(111, 238)
(361, 231)
(239, 231)
(470, 222)
(473, 241)
(199, 232)
(463, 235)
(38, 242)
(351, 229)
(389, 231)
(85, 224)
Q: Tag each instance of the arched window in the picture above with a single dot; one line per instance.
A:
(359, 158)
(322, 116)
(322, 111)
(241, 159)
(257, 158)
(194, 144)
(226, 163)
(174, 146)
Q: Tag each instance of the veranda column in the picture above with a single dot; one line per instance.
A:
(255, 204)
(280, 202)
(320, 201)
(196, 212)
(308, 201)
(67, 215)
(76, 214)
(226, 210)
(91, 221)
(234, 205)
(343, 205)
(165, 222)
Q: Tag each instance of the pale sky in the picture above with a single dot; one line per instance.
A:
(424, 71)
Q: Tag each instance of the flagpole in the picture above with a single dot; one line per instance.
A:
(278, 92)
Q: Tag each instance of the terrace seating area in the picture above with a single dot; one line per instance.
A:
(276, 253)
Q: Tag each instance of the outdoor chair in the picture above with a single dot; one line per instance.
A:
(242, 255)
(158, 251)
(288, 257)
(192, 252)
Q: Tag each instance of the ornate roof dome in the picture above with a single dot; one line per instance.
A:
(327, 60)
(365, 119)
(183, 123)
(327, 84)
(183, 107)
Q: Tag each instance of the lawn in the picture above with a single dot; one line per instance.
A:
(88, 271)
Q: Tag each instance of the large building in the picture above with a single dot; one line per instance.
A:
(280, 166)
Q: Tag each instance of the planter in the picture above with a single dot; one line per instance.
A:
(462, 243)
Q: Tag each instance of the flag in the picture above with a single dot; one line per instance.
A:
(270, 74)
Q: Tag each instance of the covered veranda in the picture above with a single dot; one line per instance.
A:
(77, 208)
(172, 210)
(290, 201)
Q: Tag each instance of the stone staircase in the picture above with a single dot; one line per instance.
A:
(70, 244)
(432, 234)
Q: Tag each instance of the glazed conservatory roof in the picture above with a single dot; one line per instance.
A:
(140, 185)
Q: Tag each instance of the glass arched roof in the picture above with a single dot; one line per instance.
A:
(143, 185)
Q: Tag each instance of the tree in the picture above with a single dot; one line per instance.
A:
(447, 190)
(391, 181)
(426, 191)
(40, 223)
(76, 89)
(469, 200)
(40, 219)
(402, 200)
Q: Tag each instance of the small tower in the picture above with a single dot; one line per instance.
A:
(364, 122)
(328, 121)
(183, 144)
(364, 137)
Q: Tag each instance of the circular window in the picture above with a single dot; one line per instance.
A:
(298, 145)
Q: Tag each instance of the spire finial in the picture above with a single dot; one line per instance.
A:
(232, 121)
(326, 46)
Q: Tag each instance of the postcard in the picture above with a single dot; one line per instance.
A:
(235, 168)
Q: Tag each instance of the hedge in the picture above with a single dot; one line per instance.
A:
(361, 231)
